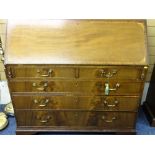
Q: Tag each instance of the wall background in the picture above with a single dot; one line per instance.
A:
(4, 92)
(151, 45)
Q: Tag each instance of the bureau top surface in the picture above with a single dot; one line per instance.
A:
(100, 42)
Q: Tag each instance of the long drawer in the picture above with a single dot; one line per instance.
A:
(87, 87)
(100, 120)
(110, 103)
(83, 72)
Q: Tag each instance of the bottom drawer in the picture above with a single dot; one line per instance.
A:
(95, 119)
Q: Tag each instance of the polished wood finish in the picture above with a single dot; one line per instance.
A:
(104, 103)
(71, 41)
(149, 104)
(80, 87)
(74, 72)
(77, 119)
(81, 75)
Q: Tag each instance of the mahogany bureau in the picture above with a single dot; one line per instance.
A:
(76, 75)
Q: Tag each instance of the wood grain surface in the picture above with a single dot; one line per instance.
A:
(76, 42)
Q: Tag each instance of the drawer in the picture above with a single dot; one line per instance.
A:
(81, 87)
(114, 72)
(38, 71)
(111, 103)
(100, 120)
(82, 72)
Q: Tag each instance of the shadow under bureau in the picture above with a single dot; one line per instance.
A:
(76, 75)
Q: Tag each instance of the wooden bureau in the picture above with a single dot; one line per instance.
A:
(76, 75)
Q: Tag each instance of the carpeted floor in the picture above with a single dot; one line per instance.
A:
(142, 126)
(10, 129)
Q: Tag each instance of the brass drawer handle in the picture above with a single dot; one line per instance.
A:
(108, 74)
(42, 88)
(45, 120)
(41, 103)
(108, 89)
(49, 72)
(108, 120)
(111, 105)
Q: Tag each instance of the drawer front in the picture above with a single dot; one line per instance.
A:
(82, 72)
(110, 103)
(100, 120)
(40, 72)
(87, 87)
(122, 73)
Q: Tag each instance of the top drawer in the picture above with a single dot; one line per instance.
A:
(74, 72)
